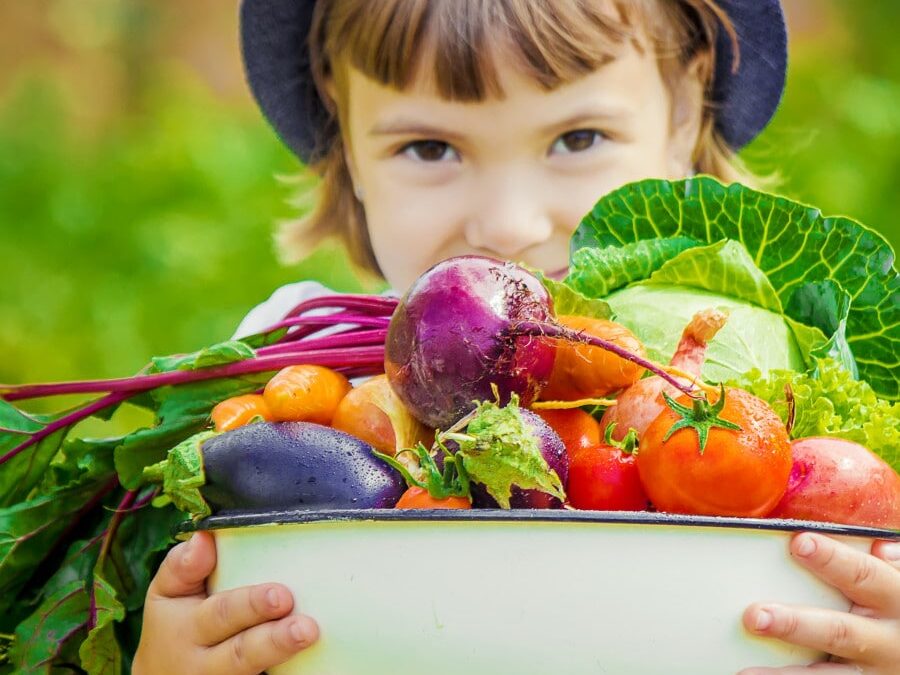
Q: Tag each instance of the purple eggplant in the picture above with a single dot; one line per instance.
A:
(295, 465)
(554, 452)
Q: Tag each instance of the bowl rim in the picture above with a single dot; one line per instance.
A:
(239, 519)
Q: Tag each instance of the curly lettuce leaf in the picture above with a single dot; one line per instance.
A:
(792, 243)
(499, 450)
(830, 402)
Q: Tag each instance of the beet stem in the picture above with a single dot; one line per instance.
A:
(66, 421)
(356, 338)
(138, 383)
(375, 304)
(551, 330)
(121, 511)
(331, 320)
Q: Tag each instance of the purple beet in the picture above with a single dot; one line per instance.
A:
(454, 335)
(472, 325)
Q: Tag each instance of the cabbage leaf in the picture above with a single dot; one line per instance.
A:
(810, 261)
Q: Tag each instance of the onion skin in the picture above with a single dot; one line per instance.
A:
(642, 402)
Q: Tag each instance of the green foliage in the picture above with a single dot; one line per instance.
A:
(834, 141)
(793, 246)
(499, 450)
(154, 238)
(829, 402)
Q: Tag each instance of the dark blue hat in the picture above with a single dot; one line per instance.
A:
(276, 59)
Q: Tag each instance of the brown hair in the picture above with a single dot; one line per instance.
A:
(555, 43)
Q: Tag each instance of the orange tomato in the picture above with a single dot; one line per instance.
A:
(305, 394)
(575, 427)
(737, 473)
(584, 371)
(419, 498)
(237, 411)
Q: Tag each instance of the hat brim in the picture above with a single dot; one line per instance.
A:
(274, 37)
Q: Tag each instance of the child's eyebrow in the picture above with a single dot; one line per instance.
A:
(588, 116)
(403, 127)
(408, 127)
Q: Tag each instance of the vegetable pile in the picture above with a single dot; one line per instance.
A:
(714, 350)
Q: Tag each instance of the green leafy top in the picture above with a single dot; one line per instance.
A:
(796, 248)
(499, 450)
(567, 300)
(829, 402)
(181, 475)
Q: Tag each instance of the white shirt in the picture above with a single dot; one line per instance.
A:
(282, 301)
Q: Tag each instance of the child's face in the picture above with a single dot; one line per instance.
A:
(509, 178)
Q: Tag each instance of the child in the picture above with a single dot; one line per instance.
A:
(492, 126)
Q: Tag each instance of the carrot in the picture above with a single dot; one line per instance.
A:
(305, 393)
(237, 411)
(583, 371)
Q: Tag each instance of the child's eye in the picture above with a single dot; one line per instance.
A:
(576, 141)
(430, 151)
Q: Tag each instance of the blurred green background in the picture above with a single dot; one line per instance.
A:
(139, 187)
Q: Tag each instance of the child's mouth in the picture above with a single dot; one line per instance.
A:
(558, 274)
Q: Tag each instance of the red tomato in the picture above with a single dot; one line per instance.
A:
(604, 477)
(419, 498)
(740, 473)
(575, 427)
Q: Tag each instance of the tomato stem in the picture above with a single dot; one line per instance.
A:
(628, 444)
(702, 417)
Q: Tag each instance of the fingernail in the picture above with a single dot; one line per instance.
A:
(806, 546)
(763, 619)
(891, 552)
(297, 632)
(186, 552)
(272, 598)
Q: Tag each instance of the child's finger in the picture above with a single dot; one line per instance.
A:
(261, 647)
(183, 572)
(863, 578)
(889, 551)
(829, 668)
(225, 614)
(848, 636)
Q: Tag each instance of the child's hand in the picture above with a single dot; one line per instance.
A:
(865, 640)
(239, 631)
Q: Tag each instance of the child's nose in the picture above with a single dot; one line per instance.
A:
(509, 220)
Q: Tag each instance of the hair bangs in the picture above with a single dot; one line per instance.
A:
(459, 43)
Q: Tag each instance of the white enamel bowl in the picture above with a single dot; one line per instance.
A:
(486, 592)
